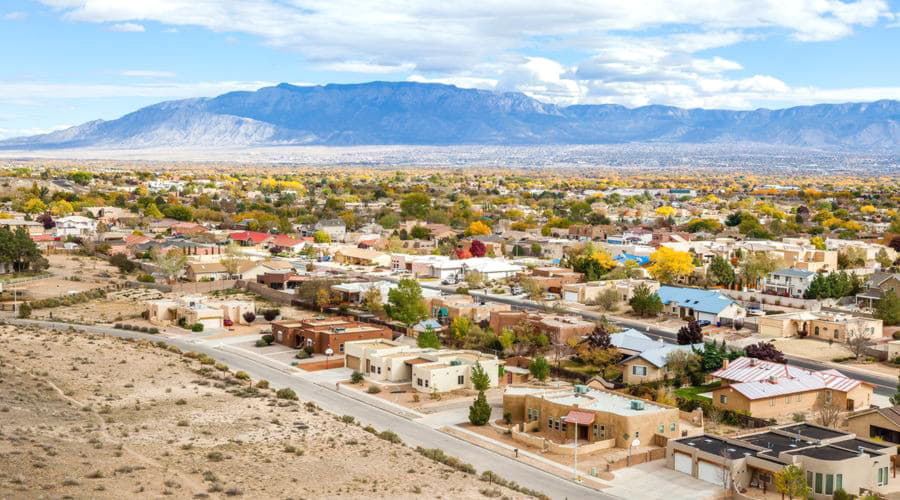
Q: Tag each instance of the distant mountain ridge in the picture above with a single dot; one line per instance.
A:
(386, 113)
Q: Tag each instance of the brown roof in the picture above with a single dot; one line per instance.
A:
(416, 361)
(579, 417)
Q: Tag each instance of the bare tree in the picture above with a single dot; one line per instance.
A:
(857, 339)
(828, 414)
(231, 262)
(724, 473)
(171, 263)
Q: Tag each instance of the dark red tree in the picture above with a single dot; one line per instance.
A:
(765, 351)
(478, 249)
(690, 333)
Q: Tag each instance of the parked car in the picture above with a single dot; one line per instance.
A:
(755, 311)
(228, 322)
(703, 323)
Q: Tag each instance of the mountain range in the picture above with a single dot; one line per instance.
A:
(385, 113)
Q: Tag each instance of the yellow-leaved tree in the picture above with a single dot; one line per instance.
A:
(668, 265)
(478, 228)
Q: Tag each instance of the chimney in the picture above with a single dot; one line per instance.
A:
(752, 361)
(725, 364)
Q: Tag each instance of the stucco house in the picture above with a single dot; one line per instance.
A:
(765, 389)
(645, 359)
(831, 460)
(694, 303)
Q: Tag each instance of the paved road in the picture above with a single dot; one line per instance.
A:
(412, 433)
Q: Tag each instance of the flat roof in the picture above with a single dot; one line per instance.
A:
(855, 444)
(811, 431)
(776, 442)
(832, 453)
(717, 446)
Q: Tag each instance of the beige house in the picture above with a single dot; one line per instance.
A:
(619, 420)
(447, 308)
(831, 460)
(819, 325)
(773, 390)
(362, 257)
(425, 370)
(588, 293)
(876, 423)
(195, 309)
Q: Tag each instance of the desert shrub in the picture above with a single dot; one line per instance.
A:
(146, 278)
(348, 419)
(286, 393)
(373, 389)
(197, 327)
(242, 375)
(302, 354)
(390, 436)
(153, 330)
(215, 456)
(262, 384)
(261, 343)
(356, 377)
(268, 339)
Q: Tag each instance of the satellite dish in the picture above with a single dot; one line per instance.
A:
(329, 351)
(636, 443)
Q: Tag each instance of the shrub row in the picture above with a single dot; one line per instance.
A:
(69, 300)
(492, 478)
(136, 328)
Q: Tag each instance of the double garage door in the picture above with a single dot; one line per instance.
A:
(709, 472)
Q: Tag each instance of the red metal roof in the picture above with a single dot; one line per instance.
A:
(253, 236)
(579, 417)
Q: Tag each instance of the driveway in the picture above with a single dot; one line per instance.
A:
(653, 481)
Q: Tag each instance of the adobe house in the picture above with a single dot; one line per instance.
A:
(876, 423)
(324, 333)
(614, 420)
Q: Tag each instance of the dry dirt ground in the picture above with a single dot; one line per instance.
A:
(88, 416)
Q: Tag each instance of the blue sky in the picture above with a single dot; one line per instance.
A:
(66, 62)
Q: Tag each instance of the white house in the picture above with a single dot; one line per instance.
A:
(788, 282)
(75, 225)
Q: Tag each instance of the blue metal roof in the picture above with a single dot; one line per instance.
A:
(708, 301)
(640, 259)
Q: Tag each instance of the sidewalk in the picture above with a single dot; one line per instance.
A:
(531, 458)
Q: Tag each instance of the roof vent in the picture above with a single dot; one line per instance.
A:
(637, 404)
(581, 389)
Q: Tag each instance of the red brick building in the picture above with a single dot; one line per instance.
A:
(323, 333)
(555, 326)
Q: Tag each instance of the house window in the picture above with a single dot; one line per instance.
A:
(829, 484)
(564, 425)
(772, 402)
(672, 427)
(839, 482)
(662, 428)
(341, 348)
(799, 397)
(818, 486)
(379, 370)
(637, 434)
(460, 379)
(828, 396)
(723, 399)
(809, 479)
(836, 334)
(550, 423)
(419, 382)
(426, 382)
(556, 424)
(816, 331)
(787, 400)
(639, 370)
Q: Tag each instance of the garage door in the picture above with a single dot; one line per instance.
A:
(711, 473)
(352, 362)
(570, 296)
(683, 463)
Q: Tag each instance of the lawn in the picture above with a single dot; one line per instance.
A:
(696, 391)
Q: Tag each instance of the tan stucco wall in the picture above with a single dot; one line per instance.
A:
(653, 373)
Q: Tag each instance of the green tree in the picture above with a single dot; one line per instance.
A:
(644, 302)
(888, 309)
(791, 481)
(460, 328)
(480, 411)
(405, 303)
(170, 262)
(415, 205)
(428, 339)
(539, 368)
(756, 266)
(152, 211)
(480, 379)
(25, 310)
(321, 237)
(178, 212)
(721, 271)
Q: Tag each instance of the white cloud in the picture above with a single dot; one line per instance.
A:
(15, 16)
(6, 133)
(126, 28)
(140, 73)
(481, 43)
(46, 90)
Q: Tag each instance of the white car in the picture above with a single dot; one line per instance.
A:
(755, 311)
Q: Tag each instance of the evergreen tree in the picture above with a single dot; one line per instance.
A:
(721, 271)
(480, 379)
(539, 368)
(480, 411)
